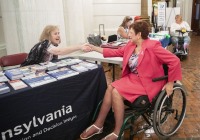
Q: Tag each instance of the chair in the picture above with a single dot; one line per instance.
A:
(165, 114)
(12, 60)
(111, 38)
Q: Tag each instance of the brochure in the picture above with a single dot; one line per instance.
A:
(14, 74)
(3, 78)
(37, 80)
(79, 68)
(88, 65)
(49, 65)
(4, 88)
(62, 73)
(17, 84)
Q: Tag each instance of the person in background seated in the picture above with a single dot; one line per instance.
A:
(137, 18)
(122, 31)
(143, 60)
(180, 25)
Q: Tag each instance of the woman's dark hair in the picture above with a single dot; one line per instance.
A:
(141, 26)
(125, 20)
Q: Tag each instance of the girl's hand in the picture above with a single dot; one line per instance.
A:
(86, 47)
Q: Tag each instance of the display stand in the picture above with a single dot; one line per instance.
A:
(171, 12)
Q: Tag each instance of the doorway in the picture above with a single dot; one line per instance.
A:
(195, 24)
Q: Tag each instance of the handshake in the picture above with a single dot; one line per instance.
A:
(87, 47)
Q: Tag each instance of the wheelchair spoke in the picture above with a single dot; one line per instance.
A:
(176, 116)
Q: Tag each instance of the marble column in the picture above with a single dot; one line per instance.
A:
(144, 10)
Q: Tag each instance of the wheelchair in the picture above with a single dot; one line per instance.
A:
(180, 51)
(165, 114)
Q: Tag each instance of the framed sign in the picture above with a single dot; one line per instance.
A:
(161, 13)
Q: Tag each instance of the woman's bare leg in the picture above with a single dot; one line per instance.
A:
(105, 108)
(118, 107)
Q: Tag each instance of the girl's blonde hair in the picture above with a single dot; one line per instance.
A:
(47, 32)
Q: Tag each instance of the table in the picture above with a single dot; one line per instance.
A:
(95, 56)
(59, 110)
(162, 36)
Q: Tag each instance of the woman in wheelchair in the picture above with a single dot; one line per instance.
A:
(179, 32)
(143, 60)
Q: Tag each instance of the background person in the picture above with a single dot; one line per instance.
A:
(122, 31)
(137, 18)
(179, 24)
(143, 60)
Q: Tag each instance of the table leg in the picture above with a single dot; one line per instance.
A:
(113, 73)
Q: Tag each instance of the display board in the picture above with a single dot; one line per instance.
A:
(166, 15)
(171, 12)
(161, 13)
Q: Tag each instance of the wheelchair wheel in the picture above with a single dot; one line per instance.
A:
(181, 57)
(169, 112)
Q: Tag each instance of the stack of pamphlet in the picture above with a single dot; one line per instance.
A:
(70, 61)
(88, 65)
(79, 68)
(62, 73)
(14, 74)
(49, 65)
(37, 80)
(27, 71)
(4, 88)
(38, 68)
(17, 84)
(3, 78)
(61, 64)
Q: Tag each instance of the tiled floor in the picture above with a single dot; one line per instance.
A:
(190, 128)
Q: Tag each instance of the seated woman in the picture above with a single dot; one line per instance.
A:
(122, 31)
(180, 25)
(47, 49)
(143, 60)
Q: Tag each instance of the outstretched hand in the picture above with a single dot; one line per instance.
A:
(86, 47)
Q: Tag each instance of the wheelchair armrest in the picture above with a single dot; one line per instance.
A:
(160, 78)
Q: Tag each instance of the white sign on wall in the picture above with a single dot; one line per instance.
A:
(161, 13)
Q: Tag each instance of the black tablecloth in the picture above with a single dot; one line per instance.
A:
(56, 111)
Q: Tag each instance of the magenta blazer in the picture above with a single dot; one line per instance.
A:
(150, 64)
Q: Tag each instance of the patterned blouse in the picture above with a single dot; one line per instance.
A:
(133, 61)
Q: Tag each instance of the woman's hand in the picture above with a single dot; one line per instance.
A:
(86, 47)
(169, 88)
(89, 47)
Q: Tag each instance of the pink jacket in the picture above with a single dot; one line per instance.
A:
(150, 64)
